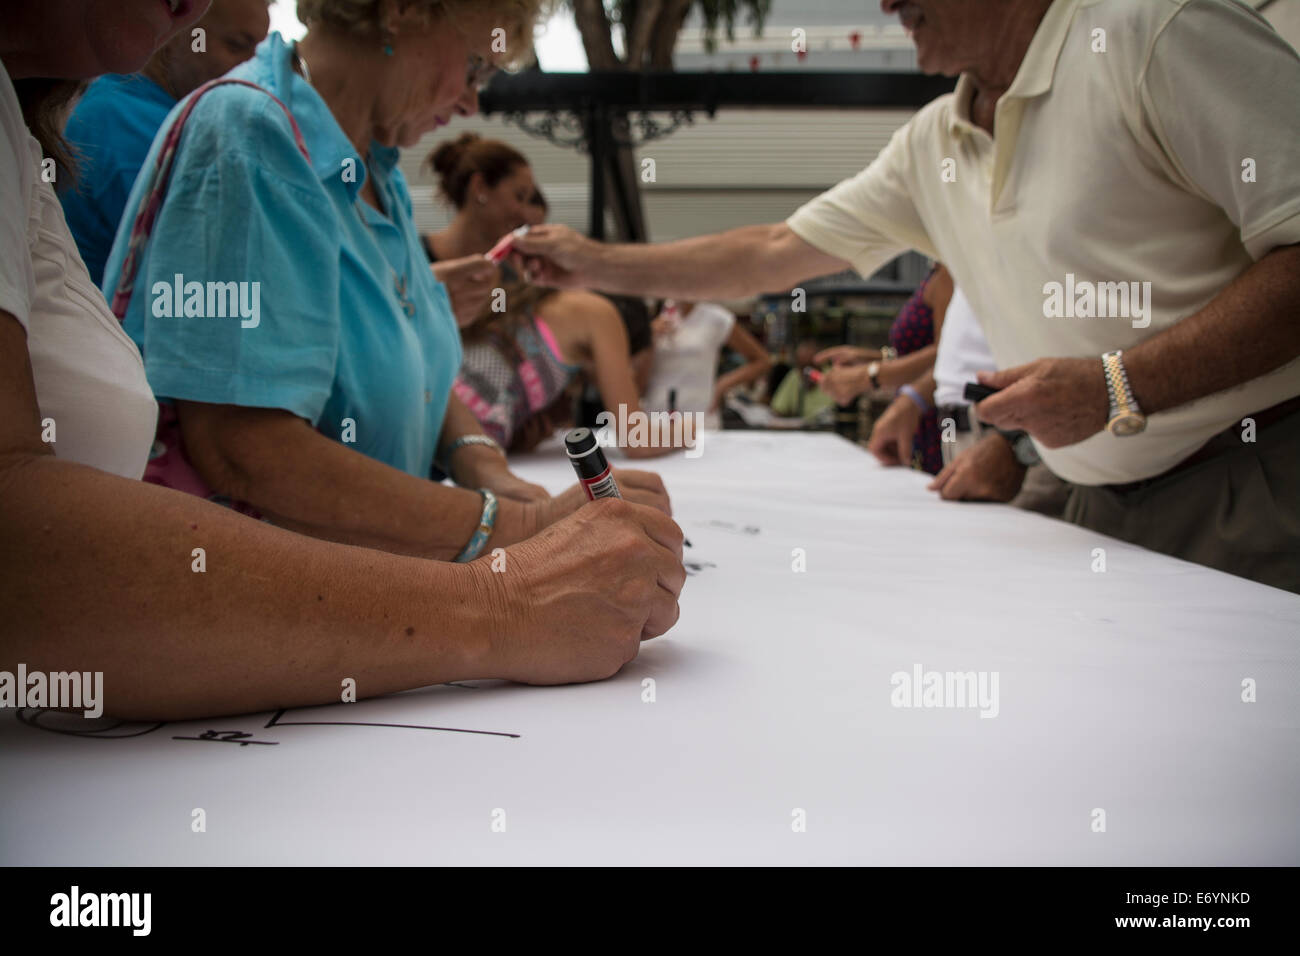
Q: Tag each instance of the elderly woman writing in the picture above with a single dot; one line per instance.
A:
(326, 402)
(100, 571)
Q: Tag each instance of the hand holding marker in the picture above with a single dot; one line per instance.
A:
(594, 473)
(498, 253)
(977, 393)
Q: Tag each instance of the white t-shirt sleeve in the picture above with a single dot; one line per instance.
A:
(17, 281)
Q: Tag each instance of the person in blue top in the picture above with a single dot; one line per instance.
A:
(284, 306)
(114, 123)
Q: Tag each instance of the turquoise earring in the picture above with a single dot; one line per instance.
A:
(388, 49)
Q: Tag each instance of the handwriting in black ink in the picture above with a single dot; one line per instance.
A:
(230, 737)
(734, 528)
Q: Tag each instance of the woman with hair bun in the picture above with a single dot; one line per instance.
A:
(518, 363)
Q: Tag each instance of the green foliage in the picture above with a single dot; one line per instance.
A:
(716, 14)
(726, 13)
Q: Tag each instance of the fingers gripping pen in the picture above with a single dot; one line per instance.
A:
(497, 254)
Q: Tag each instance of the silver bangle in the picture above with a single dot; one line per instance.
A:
(462, 442)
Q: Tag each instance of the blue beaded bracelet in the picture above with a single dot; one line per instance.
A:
(484, 531)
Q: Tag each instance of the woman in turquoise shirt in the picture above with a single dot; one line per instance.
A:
(325, 403)
(96, 568)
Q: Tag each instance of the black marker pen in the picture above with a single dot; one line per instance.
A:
(974, 392)
(594, 474)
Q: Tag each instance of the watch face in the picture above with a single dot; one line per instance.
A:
(1127, 423)
(1025, 452)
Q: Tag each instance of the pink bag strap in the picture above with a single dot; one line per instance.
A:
(160, 179)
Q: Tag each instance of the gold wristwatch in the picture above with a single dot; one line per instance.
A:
(1125, 417)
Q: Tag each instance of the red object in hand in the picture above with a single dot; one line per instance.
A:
(497, 254)
(814, 375)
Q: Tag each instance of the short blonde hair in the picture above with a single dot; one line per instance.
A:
(361, 17)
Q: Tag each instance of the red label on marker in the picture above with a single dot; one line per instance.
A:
(602, 486)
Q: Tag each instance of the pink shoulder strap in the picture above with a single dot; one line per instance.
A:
(159, 180)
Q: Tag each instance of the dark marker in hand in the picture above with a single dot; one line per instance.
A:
(594, 473)
(977, 393)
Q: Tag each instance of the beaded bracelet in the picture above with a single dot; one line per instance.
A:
(486, 523)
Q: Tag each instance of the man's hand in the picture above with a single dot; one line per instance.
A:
(1058, 401)
(470, 282)
(891, 438)
(847, 355)
(844, 383)
(555, 256)
(987, 471)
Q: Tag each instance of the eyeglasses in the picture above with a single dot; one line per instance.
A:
(478, 72)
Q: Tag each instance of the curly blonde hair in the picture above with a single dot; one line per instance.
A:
(361, 17)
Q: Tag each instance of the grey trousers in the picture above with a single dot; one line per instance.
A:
(1238, 511)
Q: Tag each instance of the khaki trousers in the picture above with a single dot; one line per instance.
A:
(1238, 511)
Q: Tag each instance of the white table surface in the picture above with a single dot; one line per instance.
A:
(1119, 691)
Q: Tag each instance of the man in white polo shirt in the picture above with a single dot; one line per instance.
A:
(1128, 239)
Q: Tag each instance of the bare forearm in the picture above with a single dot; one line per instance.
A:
(749, 372)
(471, 464)
(729, 265)
(98, 573)
(1246, 331)
(907, 368)
(926, 385)
(312, 484)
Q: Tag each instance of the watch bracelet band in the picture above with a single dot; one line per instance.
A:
(486, 523)
(1118, 389)
(1016, 439)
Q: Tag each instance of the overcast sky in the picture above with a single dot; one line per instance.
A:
(559, 48)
